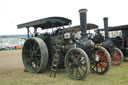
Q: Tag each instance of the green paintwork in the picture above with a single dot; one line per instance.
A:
(45, 23)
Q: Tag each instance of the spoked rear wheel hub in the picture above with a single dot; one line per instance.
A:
(35, 55)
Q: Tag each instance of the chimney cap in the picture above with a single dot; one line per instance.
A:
(105, 18)
(83, 10)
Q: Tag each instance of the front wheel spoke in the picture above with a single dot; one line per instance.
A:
(78, 72)
(102, 65)
(82, 68)
(102, 55)
(94, 66)
(81, 61)
(103, 60)
(118, 54)
(73, 58)
(78, 58)
(72, 71)
(101, 69)
(119, 58)
(116, 59)
(99, 52)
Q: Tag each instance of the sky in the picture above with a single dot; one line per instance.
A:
(14, 12)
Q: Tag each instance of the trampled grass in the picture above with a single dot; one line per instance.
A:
(118, 75)
(11, 73)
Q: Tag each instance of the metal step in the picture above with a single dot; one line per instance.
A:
(56, 56)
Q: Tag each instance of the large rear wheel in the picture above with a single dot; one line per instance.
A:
(77, 63)
(35, 55)
(102, 60)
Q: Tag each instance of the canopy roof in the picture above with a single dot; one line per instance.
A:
(116, 28)
(90, 26)
(45, 23)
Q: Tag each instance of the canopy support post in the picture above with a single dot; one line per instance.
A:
(28, 31)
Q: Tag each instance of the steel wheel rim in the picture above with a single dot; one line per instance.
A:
(76, 65)
(101, 64)
(117, 57)
(31, 56)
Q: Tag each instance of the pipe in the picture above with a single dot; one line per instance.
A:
(106, 27)
(83, 23)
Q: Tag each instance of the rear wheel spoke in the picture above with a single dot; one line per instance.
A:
(37, 49)
(28, 51)
(30, 46)
(31, 55)
(34, 46)
(38, 54)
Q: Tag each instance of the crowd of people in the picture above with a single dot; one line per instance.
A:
(11, 43)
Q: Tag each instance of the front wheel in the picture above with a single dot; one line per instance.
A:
(77, 63)
(117, 56)
(102, 60)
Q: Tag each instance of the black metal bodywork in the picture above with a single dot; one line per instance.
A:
(60, 48)
(98, 38)
(121, 41)
(108, 44)
(50, 39)
(51, 22)
(84, 43)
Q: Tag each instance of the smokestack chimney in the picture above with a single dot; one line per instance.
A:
(83, 23)
(106, 27)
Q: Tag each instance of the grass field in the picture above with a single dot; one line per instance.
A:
(11, 73)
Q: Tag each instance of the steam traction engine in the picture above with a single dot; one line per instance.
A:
(60, 49)
(109, 44)
(120, 41)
